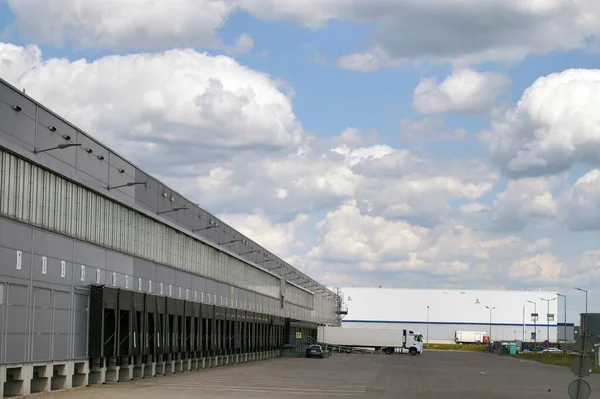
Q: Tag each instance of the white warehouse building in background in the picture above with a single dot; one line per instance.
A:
(439, 313)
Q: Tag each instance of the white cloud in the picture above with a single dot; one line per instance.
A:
(244, 43)
(464, 91)
(429, 129)
(178, 110)
(475, 208)
(582, 203)
(346, 235)
(321, 174)
(437, 30)
(351, 243)
(370, 61)
(16, 60)
(279, 238)
(118, 25)
(311, 179)
(402, 186)
(541, 245)
(543, 267)
(421, 199)
(524, 201)
(555, 125)
(446, 30)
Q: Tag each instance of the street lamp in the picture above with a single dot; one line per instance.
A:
(491, 308)
(586, 307)
(565, 326)
(427, 330)
(58, 147)
(131, 183)
(179, 208)
(548, 318)
(534, 317)
(523, 335)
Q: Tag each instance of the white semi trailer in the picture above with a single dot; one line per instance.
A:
(388, 340)
(470, 337)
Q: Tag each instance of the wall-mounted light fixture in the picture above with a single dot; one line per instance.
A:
(52, 128)
(179, 208)
(100, 157)
(278, 267)
(164, 194)
(172, 198)
(232, 241)
(211, 224)
(58, 147)
(88, 150)
(66, 137)
(249, 252)
(17, 108)
(121, 170)
(267, 259)
(131, 183)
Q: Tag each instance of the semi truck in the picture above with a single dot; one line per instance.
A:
(470, 337)
(389, 341)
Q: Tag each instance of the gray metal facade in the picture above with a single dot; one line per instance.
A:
(62, 230)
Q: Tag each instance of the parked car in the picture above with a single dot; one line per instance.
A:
(315, 351)
(553, 350)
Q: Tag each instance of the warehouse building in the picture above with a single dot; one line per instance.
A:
(438, 314)
(109, 275)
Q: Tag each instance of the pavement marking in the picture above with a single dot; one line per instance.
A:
(287, 391)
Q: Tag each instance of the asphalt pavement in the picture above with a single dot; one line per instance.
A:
(434, 374)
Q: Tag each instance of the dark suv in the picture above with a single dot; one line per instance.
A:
(315, 351)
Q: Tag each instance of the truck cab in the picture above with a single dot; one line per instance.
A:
(412, 342)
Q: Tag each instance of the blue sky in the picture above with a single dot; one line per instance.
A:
(294, 193)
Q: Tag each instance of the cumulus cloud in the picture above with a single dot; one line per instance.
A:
(402, 186)
(464, 91)
(446, 30)
(545, 268)
(528, 200)
(582, 203)
(475, 208)
(351, 242)
(183, 108)
(555, 125)
(16, 60)
(244, 43)
(437, 30)
(429, 129)
(421, 199)
(539, 246)
(282, 238)
(122, 25)
(205, 125)
(347, 235)
(370, 61)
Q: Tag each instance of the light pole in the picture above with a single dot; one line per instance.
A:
(565, 326)
(427, 332)
(523, 335)
(491, 308)
(534, 317)
(586, 308)
(548, 318)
